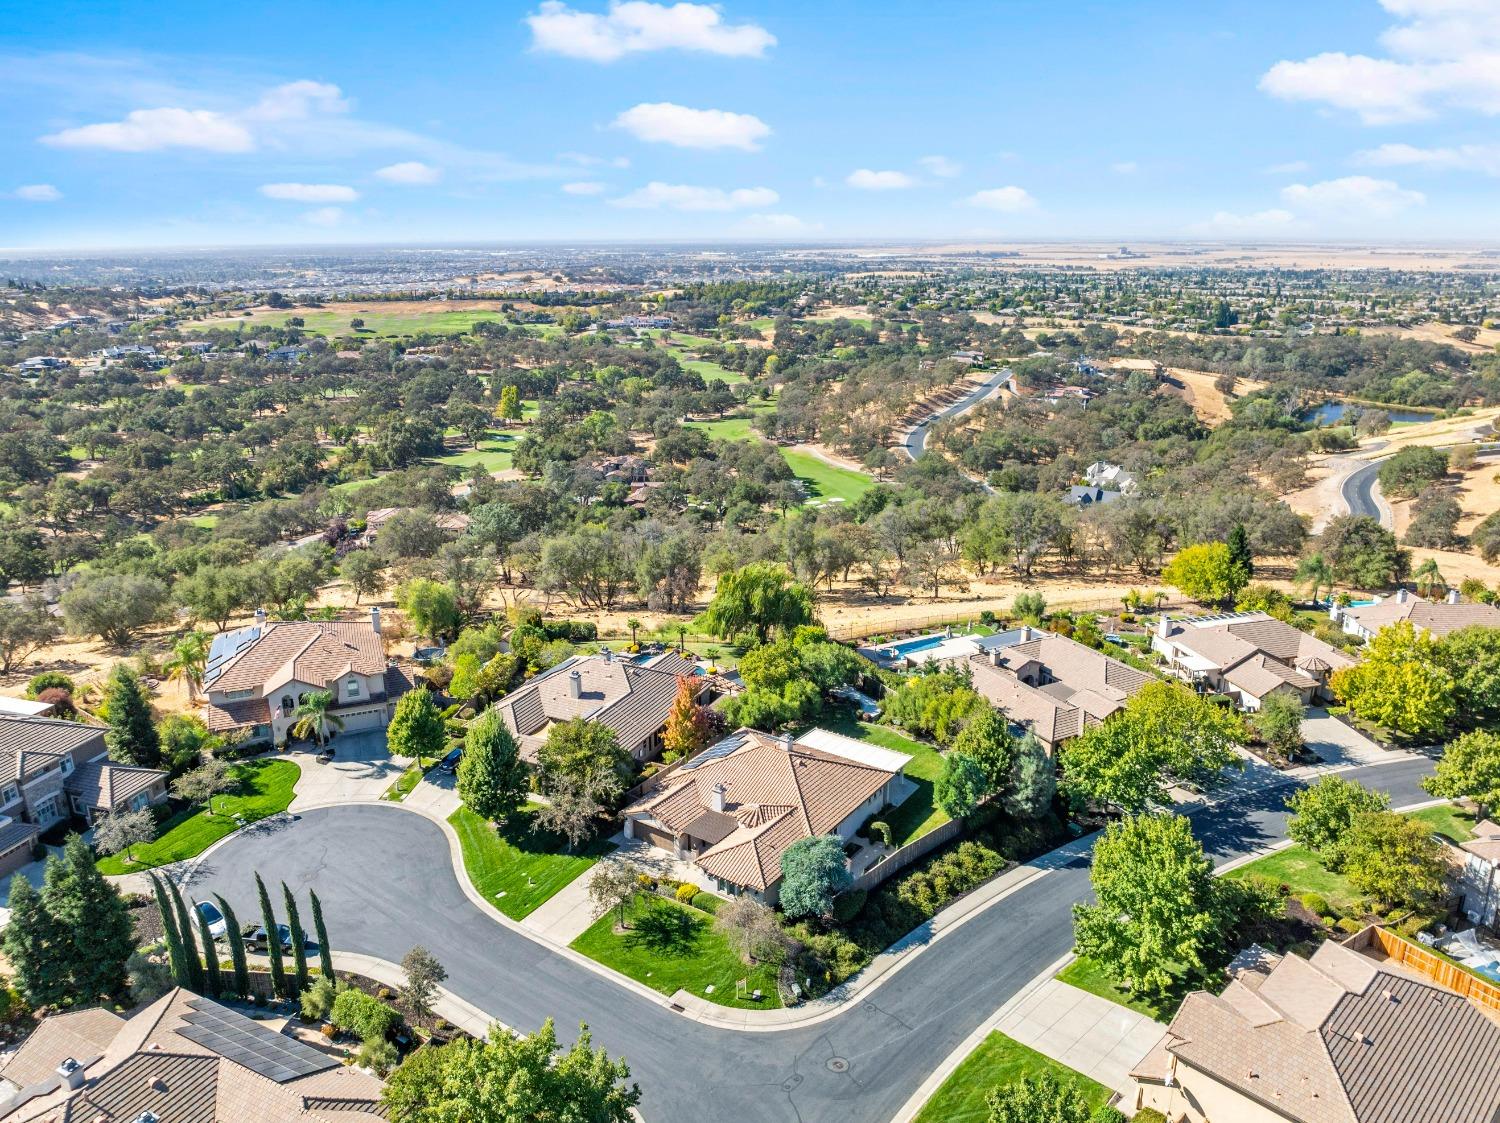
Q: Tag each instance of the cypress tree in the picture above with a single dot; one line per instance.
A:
(273, 940)
(213, 979)
(34, 945)
(236, 938)
(299, 939)
(169, 927)
(98, 926)
(189, 945)
(1239, 551)
(131, 737)
(325, 953)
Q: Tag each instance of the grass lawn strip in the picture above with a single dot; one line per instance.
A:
(671, 947)
(527, 865)
(1087, 975)
(998, 1060)
(710, 371)
(265, 789)
(827, 481)
(1452, 822)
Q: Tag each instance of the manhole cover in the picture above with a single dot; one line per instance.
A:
(837, 1064)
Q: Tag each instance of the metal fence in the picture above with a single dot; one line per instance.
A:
(911, 852)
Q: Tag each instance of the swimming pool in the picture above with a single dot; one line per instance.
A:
(912, 646)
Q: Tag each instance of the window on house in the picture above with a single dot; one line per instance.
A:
(287, 705)
(352, 688)
(67, 765)
(10, 794)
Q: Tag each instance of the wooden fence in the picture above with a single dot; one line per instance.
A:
(911, 852)
(1416, 958)
(959, 614)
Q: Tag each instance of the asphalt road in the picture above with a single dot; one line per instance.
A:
(386, 883)
(1359, 492)
(916, 440)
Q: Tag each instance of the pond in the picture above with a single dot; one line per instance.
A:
(1329, 413)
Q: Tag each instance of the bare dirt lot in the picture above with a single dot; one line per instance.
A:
(1208, 403)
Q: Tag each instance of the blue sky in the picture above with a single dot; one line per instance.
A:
(274, 123)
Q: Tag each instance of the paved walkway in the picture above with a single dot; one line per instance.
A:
(567, 914)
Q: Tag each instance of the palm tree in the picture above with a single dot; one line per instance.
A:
(1428, 577)
(189, 658)
(1315, 572)
(313, 718)
(634, 625)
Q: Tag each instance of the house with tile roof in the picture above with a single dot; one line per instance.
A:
(1248, 656)
(1437, 618)
(733, 809)
(632, 699)
(1051, 685)
(1478, 880)
(182, 1059)
(257, 676)
(52, 771)
(1338, 1038)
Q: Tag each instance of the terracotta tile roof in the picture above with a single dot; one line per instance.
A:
(1257, 653)
(80, 1034)
(311, 651)
(774, 794)
(1338, 1039)
(224, 716)
(106, 784)
(633, 701)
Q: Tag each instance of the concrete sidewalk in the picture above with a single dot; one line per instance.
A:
(567, 914)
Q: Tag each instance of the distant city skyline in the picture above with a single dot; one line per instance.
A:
(584, 120)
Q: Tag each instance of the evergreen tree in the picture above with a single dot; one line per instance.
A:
(492, 779)
(273, 940)
(1239, 552)
(93, 915)
(213, 978)
(416, 729)
(325, 953)
(35, 946)
(236, 938)
(299, 939)
(131, 737)
(189, 945)
(169, 926)
(1033, 780)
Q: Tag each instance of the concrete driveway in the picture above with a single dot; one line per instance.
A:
(362, 768)
(1340, 745)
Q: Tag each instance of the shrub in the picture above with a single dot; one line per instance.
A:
(1349, 924)
(367, 1018)
(847, 905)
(1149, 1115)
(48, 680)
(378, 1056)
(60, 700)
(318, 999)
(1315, 904)
(882, 830)
(686, 892)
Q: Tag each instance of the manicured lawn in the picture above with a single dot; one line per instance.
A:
(494, 453)
(735, 428)
(404, 784)
(527, 865)
(1305, 872)
(998, 1060)
(265, 789)
(826, 481)
(378, 323)
(680, 338)
(918, 813)
(1453, 823)
(672, 947)
(1085, 974)
(711, 371)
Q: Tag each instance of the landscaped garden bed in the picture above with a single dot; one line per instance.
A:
(998, 1061)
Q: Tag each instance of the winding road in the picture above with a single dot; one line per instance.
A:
(916, 440)
(386, 881)
(1359, 494)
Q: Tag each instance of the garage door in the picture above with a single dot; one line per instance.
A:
(654, 835)
(354, 720)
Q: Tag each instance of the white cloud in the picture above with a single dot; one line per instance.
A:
(297, 101)
(681, 197)
(635, 26)
(867, 180)
(148, 130)
(1125, 167)
(1011, 199)
(37, 193)
(777, 224)
(410, 173)
(584, 160)
(663, 122)
(1354, 196)
(941, 166)
(310, 192)
(1260, 222)
(1445, 53)
(1463, 158)
(324, 216)
(584, 187)
(1291, 167)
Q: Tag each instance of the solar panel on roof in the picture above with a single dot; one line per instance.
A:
(715, 752)
(236, 1038)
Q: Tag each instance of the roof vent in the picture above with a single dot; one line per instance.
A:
(155, 1084)
(1388, 995)
(1360, 1038)
(148, 1117)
